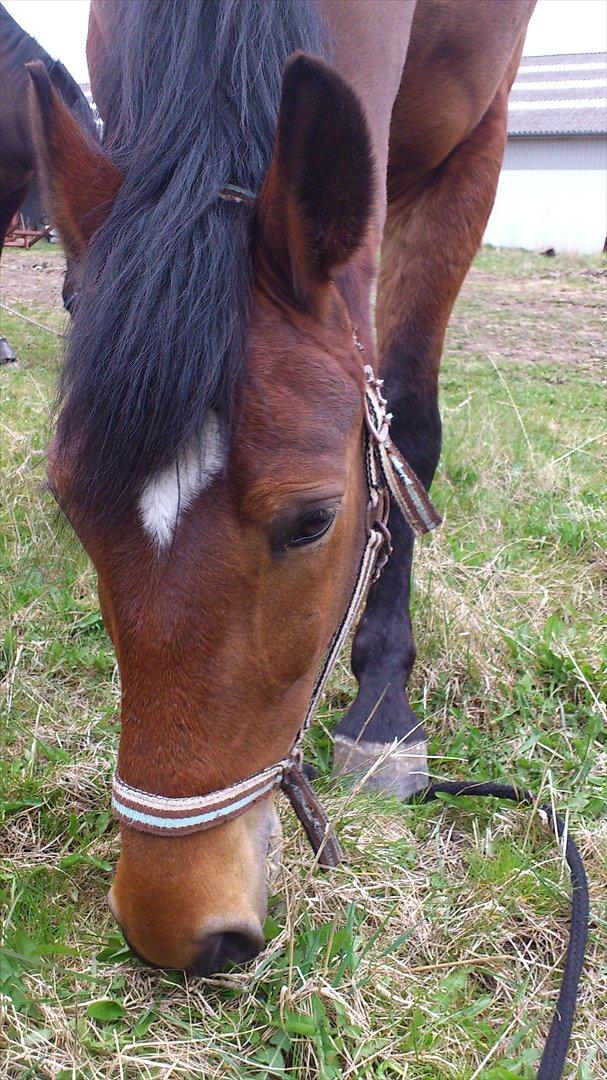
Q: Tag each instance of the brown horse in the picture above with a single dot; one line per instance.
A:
(17, 159)
(208, 452)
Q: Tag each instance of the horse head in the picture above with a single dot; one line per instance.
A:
(225, 569)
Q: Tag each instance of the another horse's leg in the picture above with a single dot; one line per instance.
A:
(10, 201)
(9, 204)
(433, 229)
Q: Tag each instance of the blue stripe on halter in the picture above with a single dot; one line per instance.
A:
(199, 819)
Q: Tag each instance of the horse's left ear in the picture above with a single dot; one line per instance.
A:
(79, 181)
(315, 204)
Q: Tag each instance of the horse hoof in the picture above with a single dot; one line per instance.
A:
(401, 771)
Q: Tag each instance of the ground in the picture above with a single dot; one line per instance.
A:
(436, 951)
(33, 277)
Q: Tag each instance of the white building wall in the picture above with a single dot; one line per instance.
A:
(552, 192)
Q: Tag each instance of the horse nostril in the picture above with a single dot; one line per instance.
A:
(230, 947)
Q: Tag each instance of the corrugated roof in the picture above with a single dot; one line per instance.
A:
(564, 94)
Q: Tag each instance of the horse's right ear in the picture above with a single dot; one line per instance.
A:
(316, 202)
(79, 181)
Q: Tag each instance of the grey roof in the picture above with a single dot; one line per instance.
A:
(564, 94)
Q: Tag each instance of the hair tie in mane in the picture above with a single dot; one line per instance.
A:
(236, 193)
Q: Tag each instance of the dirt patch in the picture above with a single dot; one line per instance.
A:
(32, 277)
(548, 315)
(551, 317)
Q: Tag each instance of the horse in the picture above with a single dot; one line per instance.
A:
(17, 164)
(286, 203)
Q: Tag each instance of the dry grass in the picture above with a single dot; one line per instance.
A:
(435, 952)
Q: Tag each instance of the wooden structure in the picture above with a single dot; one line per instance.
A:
(19, 235)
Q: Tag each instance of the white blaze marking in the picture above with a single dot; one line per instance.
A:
(168, 494)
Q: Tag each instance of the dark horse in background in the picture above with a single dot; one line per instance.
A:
(17, 162)
(209, 447)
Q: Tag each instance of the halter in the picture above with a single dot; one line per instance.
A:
(388, 475)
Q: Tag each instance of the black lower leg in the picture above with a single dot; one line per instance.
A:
(430, 238)
(383, 652)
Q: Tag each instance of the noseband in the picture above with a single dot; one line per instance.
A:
(388, 476)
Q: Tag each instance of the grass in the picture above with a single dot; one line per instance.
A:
(436, 951)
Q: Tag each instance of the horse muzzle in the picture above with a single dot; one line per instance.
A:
(198, 903)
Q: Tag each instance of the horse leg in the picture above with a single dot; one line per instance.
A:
(10, 201)
(9, 204)
(434, 227)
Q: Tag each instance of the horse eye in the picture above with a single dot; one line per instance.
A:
(311, 527)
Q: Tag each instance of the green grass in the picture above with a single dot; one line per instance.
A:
(436, 951)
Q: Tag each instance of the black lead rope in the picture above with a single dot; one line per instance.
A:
(557, 1043)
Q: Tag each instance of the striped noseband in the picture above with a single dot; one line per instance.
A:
(388, 476)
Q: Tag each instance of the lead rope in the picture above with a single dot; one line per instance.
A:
(554, 1056)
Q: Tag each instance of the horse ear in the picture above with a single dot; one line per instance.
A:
(79, 181)
(317, 198)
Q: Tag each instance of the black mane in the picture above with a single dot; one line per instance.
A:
(159, 336)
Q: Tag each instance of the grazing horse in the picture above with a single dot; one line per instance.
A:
(278, 179)
(17, 162)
